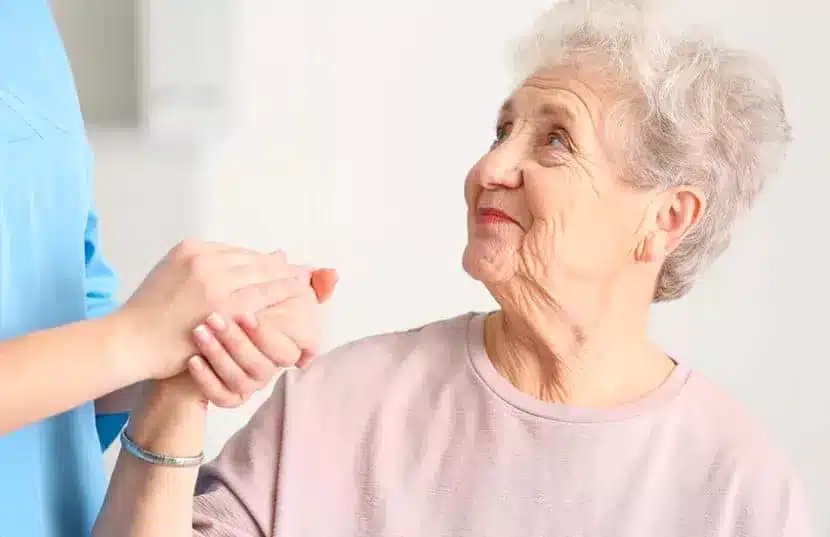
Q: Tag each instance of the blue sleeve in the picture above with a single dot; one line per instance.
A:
(101, 283)
(101, 286)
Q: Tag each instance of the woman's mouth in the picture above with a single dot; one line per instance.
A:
(488, 215)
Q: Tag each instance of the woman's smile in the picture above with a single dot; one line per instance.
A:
(493, 216)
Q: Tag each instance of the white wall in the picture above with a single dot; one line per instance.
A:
(350, 135)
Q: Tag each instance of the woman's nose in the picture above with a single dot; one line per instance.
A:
(501, 169)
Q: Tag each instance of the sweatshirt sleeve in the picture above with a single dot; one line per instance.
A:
(235, 494)
(772, 503)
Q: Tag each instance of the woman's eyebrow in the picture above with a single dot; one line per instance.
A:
(557, 110)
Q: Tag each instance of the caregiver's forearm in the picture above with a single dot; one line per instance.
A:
(146, 500)
(48, 372)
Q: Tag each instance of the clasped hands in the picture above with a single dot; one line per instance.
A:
(239, 355)
(218, 322)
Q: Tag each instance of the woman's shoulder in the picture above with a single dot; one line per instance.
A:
(425, 350)
(717, 423)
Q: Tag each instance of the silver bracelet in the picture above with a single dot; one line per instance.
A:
(156, 458)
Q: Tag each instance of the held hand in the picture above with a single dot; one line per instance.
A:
(194, 279)
(240, 356)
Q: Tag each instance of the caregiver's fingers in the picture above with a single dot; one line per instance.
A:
(211, 387)
(278, 347)
(279, 256)
(189, 247)
(248, 269)
(257, 297)
(323, 282)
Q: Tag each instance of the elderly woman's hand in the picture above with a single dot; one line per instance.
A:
(240, 356)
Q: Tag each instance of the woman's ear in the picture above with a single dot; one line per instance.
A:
(681, 213)
(670, 217)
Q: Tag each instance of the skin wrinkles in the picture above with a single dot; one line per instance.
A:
(575, 277)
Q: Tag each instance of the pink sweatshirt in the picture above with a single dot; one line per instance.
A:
(416, 434)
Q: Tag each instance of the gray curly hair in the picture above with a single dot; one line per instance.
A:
(706, 116)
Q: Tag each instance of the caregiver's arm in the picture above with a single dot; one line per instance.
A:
(234, 494)
(45, 373)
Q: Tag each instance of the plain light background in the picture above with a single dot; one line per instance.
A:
(342, 132)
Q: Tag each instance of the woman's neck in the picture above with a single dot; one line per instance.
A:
(562, 355)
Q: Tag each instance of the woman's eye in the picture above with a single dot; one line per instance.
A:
(557, 140)
(502, 131)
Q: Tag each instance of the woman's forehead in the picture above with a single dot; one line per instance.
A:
(563, 93)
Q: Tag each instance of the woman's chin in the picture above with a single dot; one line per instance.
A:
(488, 266)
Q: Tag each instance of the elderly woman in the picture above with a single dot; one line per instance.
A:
(618, 167)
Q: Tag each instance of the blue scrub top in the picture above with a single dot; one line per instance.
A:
(52, 478)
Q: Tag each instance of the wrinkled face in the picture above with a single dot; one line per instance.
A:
(546, 203)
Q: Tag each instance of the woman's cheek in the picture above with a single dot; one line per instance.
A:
(542, 200)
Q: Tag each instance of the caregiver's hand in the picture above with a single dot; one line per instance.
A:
(194, 279)
(240, 355)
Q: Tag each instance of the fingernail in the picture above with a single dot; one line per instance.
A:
(196, 362)
(202, 334)
(248, 320)
(216, 322)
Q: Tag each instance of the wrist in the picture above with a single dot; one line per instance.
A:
(124, 348)
(180, 392)
(170, 420)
